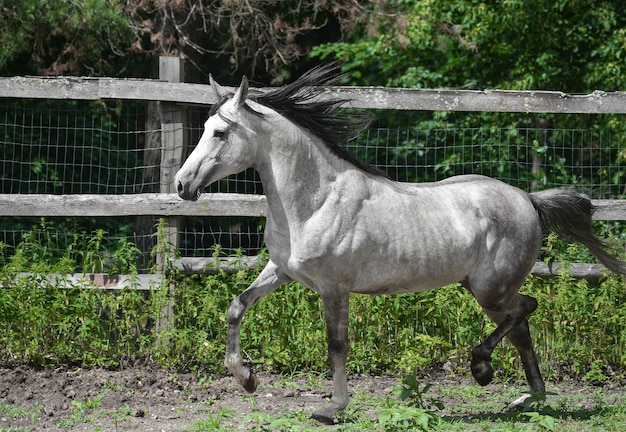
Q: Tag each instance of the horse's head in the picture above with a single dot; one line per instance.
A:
(224, 148)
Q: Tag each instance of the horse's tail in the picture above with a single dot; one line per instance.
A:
(568, 213)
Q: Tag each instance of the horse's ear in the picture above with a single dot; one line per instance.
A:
(242, 92)
(218, 89)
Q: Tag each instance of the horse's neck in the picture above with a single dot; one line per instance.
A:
(297, 175)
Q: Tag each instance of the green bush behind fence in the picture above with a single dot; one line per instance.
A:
(579, 328)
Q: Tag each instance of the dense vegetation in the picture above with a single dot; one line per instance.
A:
(579, 328)
(568, 45)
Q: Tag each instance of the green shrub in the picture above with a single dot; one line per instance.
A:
(579, 328)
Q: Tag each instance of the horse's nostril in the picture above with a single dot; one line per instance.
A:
(179, 186)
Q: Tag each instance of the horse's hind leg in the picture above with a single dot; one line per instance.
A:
(520, 338)
(514, 325)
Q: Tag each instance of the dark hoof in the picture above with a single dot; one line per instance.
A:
(323, 419)
(482, 372)
(250, 384)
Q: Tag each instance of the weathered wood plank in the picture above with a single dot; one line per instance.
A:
(232, 265)
(202, 265)
(598, 102)
(576, 270)
(82, 88)
(91, 280)
(131, 205)
(483, 100)
(156, 90)
(216, 204)
(49, 88)
(609, 210)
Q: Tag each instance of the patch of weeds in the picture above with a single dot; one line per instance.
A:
(410, 391)
(283, 422)
(204, 381)
(114, 386)
(256, 419)
(543, 422)
(207, 404)
(19, 412)
(355, 413)
(121, 414)
(293, 381)
(89, 404)
(252, 400)
(596, 374)
(417, 414)
(214, 422)
(610, 418)
(81, 412)
(70, 421)
(314, 379)
(15, 411)
(402, 417)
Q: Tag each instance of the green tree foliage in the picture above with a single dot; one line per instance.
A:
(61, 37)
(572, 46)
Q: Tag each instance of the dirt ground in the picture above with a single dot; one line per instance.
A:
(144, 399)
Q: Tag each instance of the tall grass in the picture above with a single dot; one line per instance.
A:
(579, 328)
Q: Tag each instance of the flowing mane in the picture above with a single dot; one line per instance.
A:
(300, 103)
(325, 118)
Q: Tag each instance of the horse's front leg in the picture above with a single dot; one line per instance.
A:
(336, 311)
(270, 279)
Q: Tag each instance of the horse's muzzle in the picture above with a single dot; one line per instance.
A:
(187, 194)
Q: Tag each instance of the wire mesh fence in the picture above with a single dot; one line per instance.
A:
(113, 147)
(70, 147)
(521, 150)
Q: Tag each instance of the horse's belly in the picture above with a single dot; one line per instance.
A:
(367, 265)
(372, 257)
(411, 277)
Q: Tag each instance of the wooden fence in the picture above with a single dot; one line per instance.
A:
(172, 94)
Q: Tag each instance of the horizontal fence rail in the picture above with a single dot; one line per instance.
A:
(215, 204)
(91, 280)
(231, 265)
(598, 102)
(157, 204)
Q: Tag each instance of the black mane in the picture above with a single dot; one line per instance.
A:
(300, 103)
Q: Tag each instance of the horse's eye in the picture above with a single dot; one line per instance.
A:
(219, 134)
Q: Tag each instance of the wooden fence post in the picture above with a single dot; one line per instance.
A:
(171, 69)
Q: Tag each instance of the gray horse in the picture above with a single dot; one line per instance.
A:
(339, 226)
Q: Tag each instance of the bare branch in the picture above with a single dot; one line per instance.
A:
(254, 33)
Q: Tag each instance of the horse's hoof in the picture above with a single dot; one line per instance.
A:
(324, 419)
(251, 382)
(482, 372)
